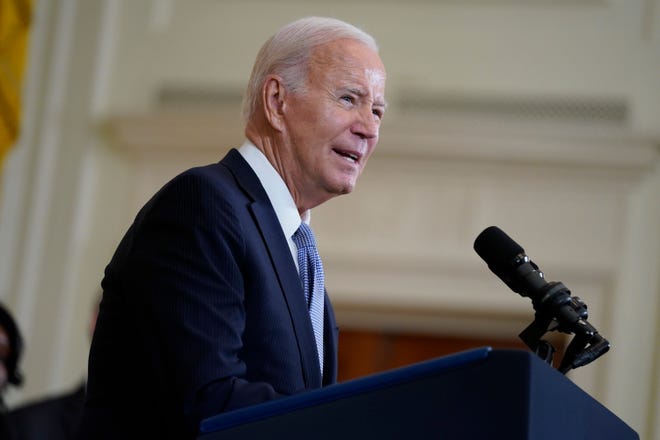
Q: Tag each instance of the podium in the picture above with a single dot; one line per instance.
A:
(476, 394)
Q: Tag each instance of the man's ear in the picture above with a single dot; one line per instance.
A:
(273, 95)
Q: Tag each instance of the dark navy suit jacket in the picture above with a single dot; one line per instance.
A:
(202, 311)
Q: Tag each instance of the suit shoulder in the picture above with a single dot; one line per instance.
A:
(212, 176)
(205, 187)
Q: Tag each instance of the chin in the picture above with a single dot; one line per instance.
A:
(347, 188)
(341, 184)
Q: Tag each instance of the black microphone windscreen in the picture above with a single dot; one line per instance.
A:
(496, 248)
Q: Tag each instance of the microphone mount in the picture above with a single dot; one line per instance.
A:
(556, 310)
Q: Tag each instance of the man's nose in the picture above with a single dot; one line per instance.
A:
(367, 125)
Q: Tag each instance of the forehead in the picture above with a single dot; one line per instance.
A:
(347, 60)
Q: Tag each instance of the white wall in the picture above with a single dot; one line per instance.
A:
(540, 117)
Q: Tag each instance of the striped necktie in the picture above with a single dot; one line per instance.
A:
(311, 276)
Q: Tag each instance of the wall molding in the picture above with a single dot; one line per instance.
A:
(410, 135)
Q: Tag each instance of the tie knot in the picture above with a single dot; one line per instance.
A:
(304, 237)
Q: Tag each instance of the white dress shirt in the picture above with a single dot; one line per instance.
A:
(278, 193)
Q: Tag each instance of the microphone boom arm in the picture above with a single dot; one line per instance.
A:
(557, 310)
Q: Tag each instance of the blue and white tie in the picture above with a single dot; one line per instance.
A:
(311, 275)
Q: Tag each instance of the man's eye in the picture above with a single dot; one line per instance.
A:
(378, 113)
(348, 98)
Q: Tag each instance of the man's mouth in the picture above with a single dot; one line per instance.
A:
(349, 155)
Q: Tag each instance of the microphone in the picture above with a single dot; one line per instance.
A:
(507, 260)
(555, 308)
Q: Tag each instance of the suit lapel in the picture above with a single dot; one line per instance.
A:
(330, 342)
(280, 256)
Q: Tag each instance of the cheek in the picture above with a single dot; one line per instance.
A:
(330, 123)
(334, 119)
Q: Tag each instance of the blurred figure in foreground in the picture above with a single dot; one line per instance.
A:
(55, 417)
(11, 347)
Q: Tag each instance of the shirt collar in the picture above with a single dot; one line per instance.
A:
(277, 191)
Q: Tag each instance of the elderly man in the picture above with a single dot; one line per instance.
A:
(214, 299)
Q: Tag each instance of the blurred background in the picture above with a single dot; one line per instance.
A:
(539, 116)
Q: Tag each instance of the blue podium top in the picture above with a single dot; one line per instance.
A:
(475, 394)
(342, 390)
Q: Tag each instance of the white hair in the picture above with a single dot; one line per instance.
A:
(287, 54)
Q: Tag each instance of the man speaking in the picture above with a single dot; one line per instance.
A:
(214, 299)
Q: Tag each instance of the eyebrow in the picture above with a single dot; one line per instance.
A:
(362, 93)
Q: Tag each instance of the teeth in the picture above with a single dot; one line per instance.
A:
(349, 156)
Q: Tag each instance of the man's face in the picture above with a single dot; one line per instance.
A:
(332, 126)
